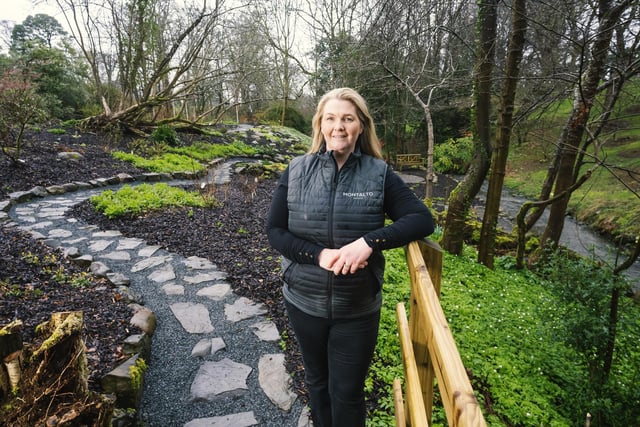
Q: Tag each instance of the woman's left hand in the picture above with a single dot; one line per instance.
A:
(350, 258)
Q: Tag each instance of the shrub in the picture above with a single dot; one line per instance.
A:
(20, 105)
(453, 156)
(165, 134)
(293, 118)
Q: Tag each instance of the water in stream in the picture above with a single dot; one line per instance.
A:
(575, 236)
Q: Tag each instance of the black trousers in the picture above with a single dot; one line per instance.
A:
(336, 354)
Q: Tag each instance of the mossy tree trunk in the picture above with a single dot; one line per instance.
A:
(462, 196)
(486, 247)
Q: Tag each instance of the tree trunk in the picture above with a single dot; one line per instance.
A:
(431, 177)
(486, 248)
(461, 197)
(569, 143)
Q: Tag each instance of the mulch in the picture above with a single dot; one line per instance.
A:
(231, 235)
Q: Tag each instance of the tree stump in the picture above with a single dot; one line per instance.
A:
(53, 389)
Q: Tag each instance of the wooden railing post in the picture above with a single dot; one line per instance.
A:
(429, 350)
(432, 257)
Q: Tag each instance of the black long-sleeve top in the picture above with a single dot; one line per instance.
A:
(412, 220)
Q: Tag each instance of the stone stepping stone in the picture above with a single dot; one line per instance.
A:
(208, 347)
(107, 233)
(242, 419)
(173, 289)
(148, 251)
(128, 244)
(99, 245)
(242, 309)
(163, 274)
(194, 318)
(30, 219)
(149, 262)
(59, 233)
(216, 378)
(74, 241)
(53, 213)
(41, 225)
(266, 331)
(205, 277)
(275, 381)
(117, 256)
(199, 263)
(215, 292)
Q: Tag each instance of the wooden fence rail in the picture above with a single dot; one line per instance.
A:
(429, 351)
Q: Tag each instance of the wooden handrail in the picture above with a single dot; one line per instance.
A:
(434, 352)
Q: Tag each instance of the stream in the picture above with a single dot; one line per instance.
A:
(575, 236)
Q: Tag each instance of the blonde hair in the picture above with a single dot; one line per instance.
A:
(369, 143)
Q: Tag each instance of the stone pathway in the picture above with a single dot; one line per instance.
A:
(215, 357)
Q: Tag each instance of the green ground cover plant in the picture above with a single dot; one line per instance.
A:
(167, 162)
(204, 151)
(514, 331)
(139, 199)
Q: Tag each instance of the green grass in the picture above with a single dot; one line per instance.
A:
(607, 201)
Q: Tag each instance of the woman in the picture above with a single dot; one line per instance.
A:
(327, 219)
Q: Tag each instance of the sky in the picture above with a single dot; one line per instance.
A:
(18, 10)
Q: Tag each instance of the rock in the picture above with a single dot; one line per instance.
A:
(127, 388)
(56, 189)
(5, 205)
(144, 319)
(125, 293)
(243, 308)
(216, 378)
(83, 261)
(125, 177)
(194, 318)
(266, 331)
(99, 269)
(20, 196)
(138, 344)
(69, 187)
(243, 419)
(275, 381)
(70, 155)
(215, 292)
(118, 279)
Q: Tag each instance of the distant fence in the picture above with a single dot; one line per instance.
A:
(429, 350)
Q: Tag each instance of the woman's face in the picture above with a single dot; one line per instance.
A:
(340, 127)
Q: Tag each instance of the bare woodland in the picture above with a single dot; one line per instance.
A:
(191, 62)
